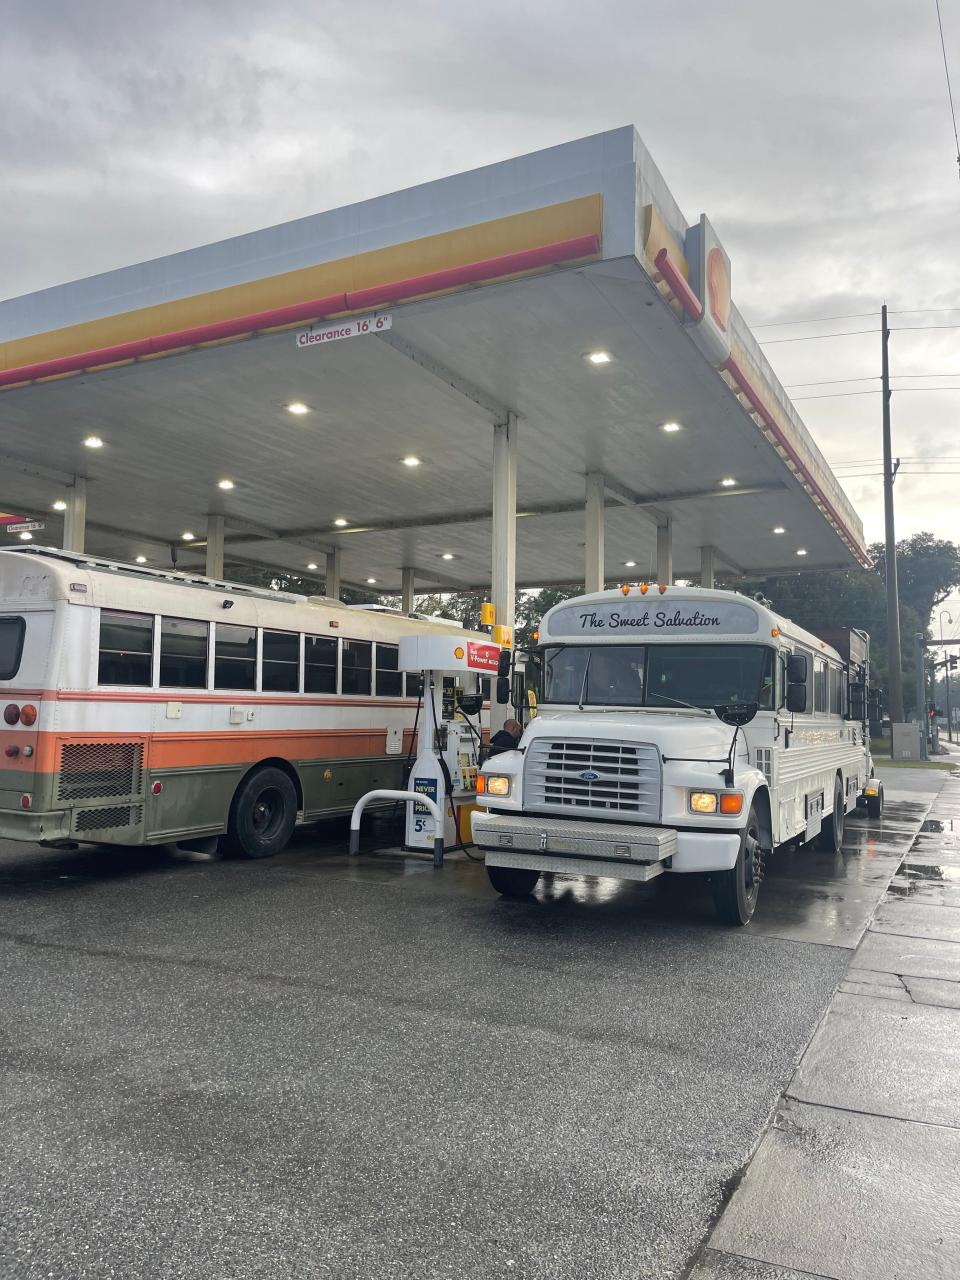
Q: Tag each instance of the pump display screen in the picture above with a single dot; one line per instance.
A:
(701, 675)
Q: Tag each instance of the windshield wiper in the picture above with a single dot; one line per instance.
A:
(680, 703)
(583, 683)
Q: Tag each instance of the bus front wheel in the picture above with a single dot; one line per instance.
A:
(263, 814)
(735, 891)
(513, 882)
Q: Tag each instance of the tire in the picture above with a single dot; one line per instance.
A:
(263, 814)
(513, 882)
(875, 805)
(830, 838)
(735, 891)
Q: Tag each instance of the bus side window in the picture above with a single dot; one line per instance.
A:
(820, 702)
(320, 664)
(389, 678)
(183, 653)
(235, 660)
(281, 662)
(836, 691)
(126, 648)
(356, 674)
(766, 696)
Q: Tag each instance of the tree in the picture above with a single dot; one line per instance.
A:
(928, 570)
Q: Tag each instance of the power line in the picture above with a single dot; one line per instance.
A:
(868, 377)
(850, 333)
(868, 391)
(854, 315)
(946, 72)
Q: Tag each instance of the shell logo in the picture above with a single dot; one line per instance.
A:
(458, 652)
(718, 287)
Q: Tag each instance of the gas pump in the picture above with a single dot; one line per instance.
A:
(449, 741)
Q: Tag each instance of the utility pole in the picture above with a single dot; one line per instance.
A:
(890, 544)
(945, 613)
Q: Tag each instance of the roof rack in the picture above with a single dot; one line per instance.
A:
(160, 575)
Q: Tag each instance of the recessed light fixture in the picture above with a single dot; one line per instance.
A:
(411, 460)
(188, 536)
(59, 505)
(26, 537)
(778, 528)
(599, 357)
(671, 427)
(340, 522)
(629, 564)
(93, 442)
(728, 482)
(801, 551)
(371, 581)
(141, 559)
(311, 566)
(225, 484)
(298, 408)
(447, 555)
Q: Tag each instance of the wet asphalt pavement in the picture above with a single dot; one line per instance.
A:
(315, 1068)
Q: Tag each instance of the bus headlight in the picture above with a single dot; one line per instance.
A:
(729, 803)
(496, 784)
(703, 802)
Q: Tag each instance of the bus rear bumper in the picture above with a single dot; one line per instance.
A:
(31, 825)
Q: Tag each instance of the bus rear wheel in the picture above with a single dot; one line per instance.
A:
(263, 814)
(830, 838)
(735, 891)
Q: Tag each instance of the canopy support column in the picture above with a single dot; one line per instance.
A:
(75, 516)
(707, 560)
(665, 553)
(214, 568)
(407, 576)
(593, 514)
(503, 577)
(331, 585)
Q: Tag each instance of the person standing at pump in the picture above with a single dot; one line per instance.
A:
(506, 738)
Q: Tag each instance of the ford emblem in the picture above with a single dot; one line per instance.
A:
(588, 775)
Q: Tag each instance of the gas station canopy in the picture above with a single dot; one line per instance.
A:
(371, 383)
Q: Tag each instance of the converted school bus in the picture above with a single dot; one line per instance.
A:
(146, 707)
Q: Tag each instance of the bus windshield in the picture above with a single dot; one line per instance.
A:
(669, 675)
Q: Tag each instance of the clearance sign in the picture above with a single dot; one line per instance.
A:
(319, 334)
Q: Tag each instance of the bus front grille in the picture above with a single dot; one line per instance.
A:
(607, 779)
(98, 770)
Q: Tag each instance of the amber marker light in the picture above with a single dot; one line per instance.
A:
(644, 588)
(625, 590)
(28, 714)
(731, 802)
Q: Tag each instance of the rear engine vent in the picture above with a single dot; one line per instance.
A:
(95, 770)
(121, 815)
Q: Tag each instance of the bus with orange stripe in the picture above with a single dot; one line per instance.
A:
(148, 707)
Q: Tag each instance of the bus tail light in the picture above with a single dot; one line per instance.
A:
(28, 714)
(11, 713)
(25, 802)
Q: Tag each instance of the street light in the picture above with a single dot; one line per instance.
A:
(945, 613)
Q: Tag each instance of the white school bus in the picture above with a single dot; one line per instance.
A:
(146, 707)
(679, 730)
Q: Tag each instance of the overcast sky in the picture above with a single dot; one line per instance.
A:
(816, 136)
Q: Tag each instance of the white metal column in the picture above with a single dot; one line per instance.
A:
(593, 513)
(407, 576)
(665, 553)
(503, 578)
(331, 586)
(75, 516)
(214, 568)
(706, 567)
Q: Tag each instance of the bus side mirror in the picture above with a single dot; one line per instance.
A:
(503, 663)
(797, 696)
(875, 705)
(503, 690)
(797, 669)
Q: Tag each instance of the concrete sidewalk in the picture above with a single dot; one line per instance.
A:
(858, 1176)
